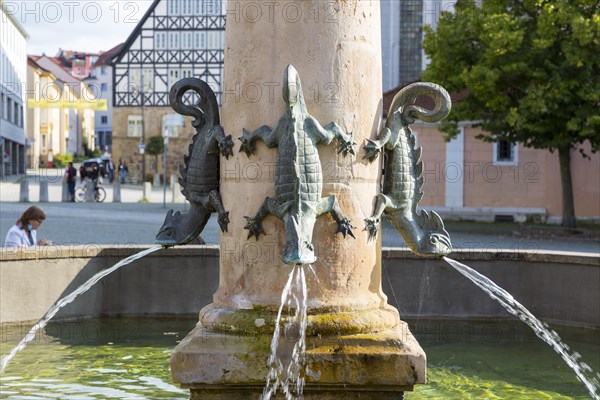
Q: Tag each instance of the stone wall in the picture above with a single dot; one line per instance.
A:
(126, 147)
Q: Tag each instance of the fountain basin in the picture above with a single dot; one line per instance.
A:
(128, 358)
(559, 287)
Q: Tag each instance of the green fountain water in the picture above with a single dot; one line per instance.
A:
(129, 358)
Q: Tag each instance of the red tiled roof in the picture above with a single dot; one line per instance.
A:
(107, 55)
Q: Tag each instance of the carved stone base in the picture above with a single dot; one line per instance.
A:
(223, 366)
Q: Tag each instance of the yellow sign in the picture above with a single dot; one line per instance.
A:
(96, 105)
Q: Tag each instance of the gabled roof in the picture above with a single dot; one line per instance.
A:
(52, 65)
(133, 36)
(105, 57)
(32, 62)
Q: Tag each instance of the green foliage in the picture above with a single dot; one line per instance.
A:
(89, 153)
(531, 68)
(62, 160)
(155, 145)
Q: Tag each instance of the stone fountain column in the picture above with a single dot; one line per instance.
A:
(357, 344)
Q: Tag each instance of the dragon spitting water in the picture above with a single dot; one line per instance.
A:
(298, 178)
(200, 172)
(422, 231)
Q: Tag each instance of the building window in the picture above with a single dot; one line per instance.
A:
(9, 103)
(187, 7)
(104, 119)
(148, 80)
(174, 7)
(173, 77)
(173, 40)
(160, 40)
(104, 87)
(188, 40)
(134, 125)
(172, 124)
(505, 152)
(186, 73)
(134, 81)
(103, 70)
(200, 40)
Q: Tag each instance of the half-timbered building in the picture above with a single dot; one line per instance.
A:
(175, 39)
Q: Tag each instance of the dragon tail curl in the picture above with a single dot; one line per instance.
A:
(205, 113)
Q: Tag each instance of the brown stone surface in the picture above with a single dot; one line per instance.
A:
(385, 361)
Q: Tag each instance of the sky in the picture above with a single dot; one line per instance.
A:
(82, 25)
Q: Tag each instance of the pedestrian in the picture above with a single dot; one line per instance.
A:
(71, 179)
(110, 167)
(122, 171)
(24, 232)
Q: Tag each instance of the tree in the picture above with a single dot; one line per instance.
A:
(531, 69)
(155, 147)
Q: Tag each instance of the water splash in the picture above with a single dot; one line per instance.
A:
(68, 299)
(287, 355)
(582, 370)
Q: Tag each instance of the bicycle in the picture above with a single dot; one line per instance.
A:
(99, 193)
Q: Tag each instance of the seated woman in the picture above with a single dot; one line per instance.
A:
(24, 232)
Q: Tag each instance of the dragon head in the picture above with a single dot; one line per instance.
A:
(433, 240)
(298, 234)
(434, 244)
(292, 90)
(167, 235)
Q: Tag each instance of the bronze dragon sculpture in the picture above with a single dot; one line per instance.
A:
(298, 178)
(422, 231)
(200, 172)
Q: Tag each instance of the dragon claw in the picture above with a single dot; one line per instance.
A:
(372, 149)
(346, 146)
(226, 146)
(247, 145)
(224, 220)
(372, 226)
(254, 227)
(345, 228)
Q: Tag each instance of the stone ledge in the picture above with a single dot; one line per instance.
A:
(319, 321)
(92, 250)
(538, 256)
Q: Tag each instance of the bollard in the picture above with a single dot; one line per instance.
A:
(24, 193)
(174, 181)
(65, 193)
(147, 191)
(156, 182)
(43, 191)
(174, 192)
(116, 192)
(89, 192)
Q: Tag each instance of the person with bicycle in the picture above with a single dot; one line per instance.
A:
(92, 172)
